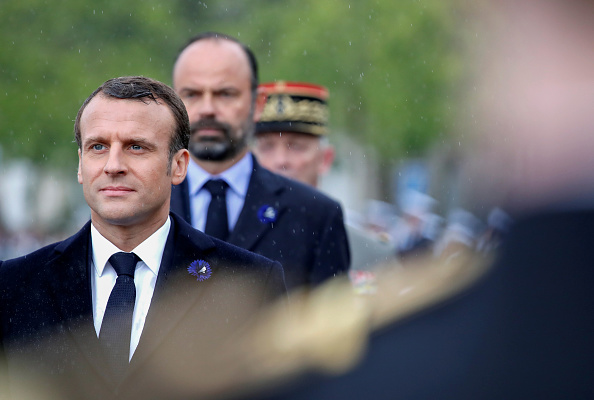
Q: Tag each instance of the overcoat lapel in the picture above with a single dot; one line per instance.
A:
(264, 190)
(176, 291)
(72, 290)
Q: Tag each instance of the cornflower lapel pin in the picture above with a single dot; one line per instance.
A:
(200, 269)
(267, 214)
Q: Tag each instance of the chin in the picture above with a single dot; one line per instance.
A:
(119, 217)
(214, 152)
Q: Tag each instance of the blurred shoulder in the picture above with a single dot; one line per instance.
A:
(299, 192)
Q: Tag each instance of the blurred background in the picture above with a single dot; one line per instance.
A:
(396, 71)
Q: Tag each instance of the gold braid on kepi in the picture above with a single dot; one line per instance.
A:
(294, 107)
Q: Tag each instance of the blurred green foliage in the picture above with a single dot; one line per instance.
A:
(392, 67)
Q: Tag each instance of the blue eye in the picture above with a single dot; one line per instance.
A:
(98, 147)
(136, 147)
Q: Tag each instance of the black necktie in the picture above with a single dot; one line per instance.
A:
(117, 320)
(217, 224)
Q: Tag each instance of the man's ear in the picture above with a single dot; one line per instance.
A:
(260, 103)
(79, 173)
(179, 166)
(328, 154)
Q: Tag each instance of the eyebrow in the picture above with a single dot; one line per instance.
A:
(134, 140)
(91, 139)
(188, 89)
(142, 141)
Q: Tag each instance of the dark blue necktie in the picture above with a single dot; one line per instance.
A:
(217, 224)
(117, 320)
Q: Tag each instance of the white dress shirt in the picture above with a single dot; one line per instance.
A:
(238, 179)
(103, 279)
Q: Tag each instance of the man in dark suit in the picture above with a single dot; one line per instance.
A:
(216, 77)
(137, 302)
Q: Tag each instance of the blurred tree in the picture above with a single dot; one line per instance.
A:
(391, 66)
(54, 54)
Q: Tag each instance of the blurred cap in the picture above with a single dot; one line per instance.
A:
(416, 203)
(294, 107)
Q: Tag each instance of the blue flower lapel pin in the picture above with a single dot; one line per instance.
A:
(200, 269)
(267, 214)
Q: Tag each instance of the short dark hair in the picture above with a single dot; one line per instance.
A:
(144, 89)
(248, 52)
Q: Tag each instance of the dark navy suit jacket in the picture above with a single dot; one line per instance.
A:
(46, 318)
(307, 235)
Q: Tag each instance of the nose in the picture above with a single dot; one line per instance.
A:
(280, 158)
(115, 163)
(205, 108)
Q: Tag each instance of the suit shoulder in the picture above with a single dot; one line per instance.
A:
(300, 192)
(39, 254)
(238, 254)
(24, 269)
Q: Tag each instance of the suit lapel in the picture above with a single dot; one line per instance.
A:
(72, 291)
(264, 190)
(175, 290)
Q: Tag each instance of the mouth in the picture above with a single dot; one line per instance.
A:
(208, 130)
(116, 191)
(208, 134)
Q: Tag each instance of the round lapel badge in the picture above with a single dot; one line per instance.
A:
(267, 214)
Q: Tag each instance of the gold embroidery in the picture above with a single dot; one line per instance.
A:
(284, 108)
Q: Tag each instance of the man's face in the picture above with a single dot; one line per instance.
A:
(213, 78)
(295, 155)
(124, 160)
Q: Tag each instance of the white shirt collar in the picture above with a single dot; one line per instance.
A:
(150, 251)
(238, 176)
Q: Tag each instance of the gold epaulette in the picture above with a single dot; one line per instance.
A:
(327, 329)
(404, 291)
(324, 330)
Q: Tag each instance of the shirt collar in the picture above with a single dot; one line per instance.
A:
(150, 251)
(237, 177)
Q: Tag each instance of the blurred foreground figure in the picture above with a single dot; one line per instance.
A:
(292, 140)
(524, 329)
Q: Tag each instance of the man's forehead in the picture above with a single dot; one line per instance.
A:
(103, 103)
(205, 48)
(144, 111)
